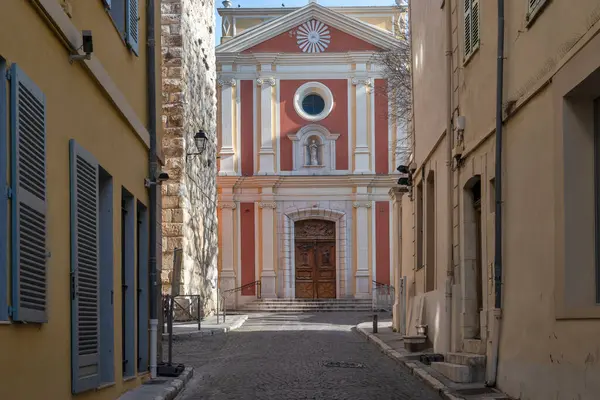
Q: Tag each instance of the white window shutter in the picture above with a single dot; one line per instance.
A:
(475, 25)
(29, 252)
(85, 243)
(468, 45)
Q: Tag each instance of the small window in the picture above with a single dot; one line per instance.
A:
(471, 23)
(313, 104)
(534, 7)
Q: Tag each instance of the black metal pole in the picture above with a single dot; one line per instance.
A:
(199, 315)
(375, 317)
(170, 327)
(498, 178)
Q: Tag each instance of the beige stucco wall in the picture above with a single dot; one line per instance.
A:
(542, 354)
(36, 359)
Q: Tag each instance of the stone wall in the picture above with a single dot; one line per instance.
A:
(189, 104)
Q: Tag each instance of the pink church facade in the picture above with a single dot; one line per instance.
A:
(308, 152)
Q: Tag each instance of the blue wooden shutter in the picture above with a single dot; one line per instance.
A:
(143, 288)
(29, 253)
(3, 195)
(132, 24)
(85, 243)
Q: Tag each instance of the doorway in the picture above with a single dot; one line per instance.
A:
(315, 259)
(473, 259)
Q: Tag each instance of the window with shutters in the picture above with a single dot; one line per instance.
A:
(29, 254)
(125, 16)
(128, 283)
(143, 288)
(85, 270)
(471, 27)
(3, 192)
(534, 7)
(92, 310)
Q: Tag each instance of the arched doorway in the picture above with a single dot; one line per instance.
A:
(315, 258)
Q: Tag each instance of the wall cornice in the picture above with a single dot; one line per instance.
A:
(326, 181)
(72, 36)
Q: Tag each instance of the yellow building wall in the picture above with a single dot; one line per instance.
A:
(36, 359)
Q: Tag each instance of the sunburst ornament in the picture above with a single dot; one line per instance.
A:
(313, 37)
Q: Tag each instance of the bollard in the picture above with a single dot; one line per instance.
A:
(375, 323)
(199, 315)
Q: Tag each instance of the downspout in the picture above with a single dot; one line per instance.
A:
(493, 364)
(449, 141)
(153, 189)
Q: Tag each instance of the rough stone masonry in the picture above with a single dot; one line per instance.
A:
(189, 218)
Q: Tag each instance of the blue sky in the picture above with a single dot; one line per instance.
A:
(292, 3)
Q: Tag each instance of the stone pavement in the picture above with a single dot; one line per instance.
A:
(294, 357)
(209, 326)
(159, 389)
(392, 345)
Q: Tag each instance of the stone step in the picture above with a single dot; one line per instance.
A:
(474, 346)
(455, 372)
(304, 310)
(470, 360)
(307, 308)
(312, 301)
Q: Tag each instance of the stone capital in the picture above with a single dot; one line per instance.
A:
(227, 81)
(266, 81)
(272, 205)
(229, 204)
(362, 81)
(366, 204)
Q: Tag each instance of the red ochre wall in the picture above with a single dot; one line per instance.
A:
(381, 127)
(382, 242)
(247, 126)
(247, 240)
(336, 121)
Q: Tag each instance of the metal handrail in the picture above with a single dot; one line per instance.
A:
(247, 285)
(223, 295)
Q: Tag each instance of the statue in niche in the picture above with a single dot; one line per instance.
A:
(313, 148)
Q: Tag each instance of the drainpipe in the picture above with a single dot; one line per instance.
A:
(153, 189)
(493, 370)
(449, 141)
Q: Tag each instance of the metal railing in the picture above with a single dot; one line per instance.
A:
(383, 296)
(224, 295)
(175, 304)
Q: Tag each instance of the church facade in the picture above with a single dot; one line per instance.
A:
(308, 152)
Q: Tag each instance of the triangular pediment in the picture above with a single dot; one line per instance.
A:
(312, 28)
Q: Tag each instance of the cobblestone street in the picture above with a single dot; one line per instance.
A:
(284, 356)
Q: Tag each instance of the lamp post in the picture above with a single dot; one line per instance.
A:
(200, 140)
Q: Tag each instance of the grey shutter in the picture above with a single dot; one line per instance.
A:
(467, 24)
(85, 243)
(28, 139)
(3, 194)
(132, 25)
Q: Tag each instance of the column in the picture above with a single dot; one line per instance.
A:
(227, 275)
(361, 150)
(268, 276)
(396, 244)
(266, 152)
(363, 284)
(228, 126)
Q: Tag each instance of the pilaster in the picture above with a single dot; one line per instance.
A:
(361, 150)
(228, 125)
(267, 240)
(363, 208)
(398, 311)
(267, 146)
(228, 248)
